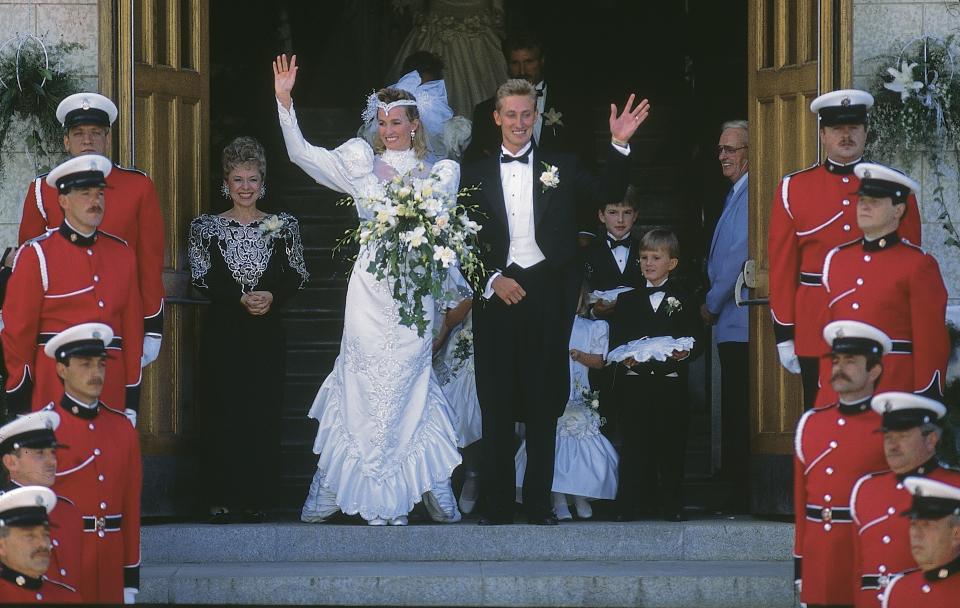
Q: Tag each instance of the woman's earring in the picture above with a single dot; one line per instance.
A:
(263, 191)
(413, 134)
(225, 191)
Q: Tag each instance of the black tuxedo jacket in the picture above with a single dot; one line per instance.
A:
(600, 268)
(634, 317)
(574, 136)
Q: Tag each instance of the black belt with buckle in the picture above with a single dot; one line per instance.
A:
(811, 278)
(45, 337)
(901, 346)
(108, 523)
(829, 514)
(874, 581)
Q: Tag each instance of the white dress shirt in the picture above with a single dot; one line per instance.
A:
(621, 253)
(656, 298)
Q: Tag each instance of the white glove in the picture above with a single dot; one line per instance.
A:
(130, 594)
(788, 357)
(151, 350)
(132, 417)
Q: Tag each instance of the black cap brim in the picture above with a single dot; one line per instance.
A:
(856, 346)
(82, 348)
(881, 188)
(22, 517)
(932, 507)
(37, 439)
(89, 116)
(833, 116)
(81, 179)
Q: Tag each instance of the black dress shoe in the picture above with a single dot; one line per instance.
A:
(254, 517)
(489, 520)
(675, 516)
(546, 520)
(624, 517)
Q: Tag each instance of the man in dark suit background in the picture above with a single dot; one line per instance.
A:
(527, 202)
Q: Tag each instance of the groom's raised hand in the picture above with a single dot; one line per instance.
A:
(284, 77)
(624, 125)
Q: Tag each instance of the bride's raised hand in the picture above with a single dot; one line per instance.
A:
(284, 77)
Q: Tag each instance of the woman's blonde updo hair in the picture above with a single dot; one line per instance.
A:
(244, 151)
(419, 143)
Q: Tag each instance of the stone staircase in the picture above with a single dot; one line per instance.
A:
(698, 564)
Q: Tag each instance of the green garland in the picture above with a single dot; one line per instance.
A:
(35, 98)
(916, 115)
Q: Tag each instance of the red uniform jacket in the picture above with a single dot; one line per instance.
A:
(101, 472)
(813, 211)
(66, 530)
(132, 212)
(938, 588)
(882, 547)
(60, 280)
(835, 446)
(19, 589)
(896, 287)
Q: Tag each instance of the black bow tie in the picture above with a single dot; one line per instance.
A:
(614, 243)
(523, 158)
(653, 290)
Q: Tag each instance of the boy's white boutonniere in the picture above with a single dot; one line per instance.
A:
(673, 305)
(552, 118)
(550, 178)
(272, 226)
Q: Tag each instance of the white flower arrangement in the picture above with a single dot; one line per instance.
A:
(673, 305)
(462, 350)
(550, 178)
(417, 235)
(552, 118)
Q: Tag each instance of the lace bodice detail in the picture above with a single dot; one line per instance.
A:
(246, 248)
(402, 162)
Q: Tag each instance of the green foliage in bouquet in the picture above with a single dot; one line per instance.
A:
(917, 114)
(31, 90)
(418, 234)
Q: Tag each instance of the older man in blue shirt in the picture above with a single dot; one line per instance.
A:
(728, 252)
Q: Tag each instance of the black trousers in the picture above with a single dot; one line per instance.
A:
(522, 375)
(654, 419)
(735, 421)
(810, 377)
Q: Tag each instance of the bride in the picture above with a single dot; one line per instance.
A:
(385, 440)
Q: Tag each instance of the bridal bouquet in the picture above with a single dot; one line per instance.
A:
(421, 240)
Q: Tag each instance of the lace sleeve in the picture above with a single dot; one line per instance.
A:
(293, 247)
(344, 169)
(448, 175)
(201, 233)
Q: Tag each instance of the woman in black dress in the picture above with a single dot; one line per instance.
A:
(248, 263)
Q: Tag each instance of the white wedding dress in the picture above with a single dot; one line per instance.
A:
(385, 440)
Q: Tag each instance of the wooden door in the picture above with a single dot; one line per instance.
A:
(161, 84)
(797, 48)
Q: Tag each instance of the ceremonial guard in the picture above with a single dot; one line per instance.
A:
(813, 211)
(935, 544)
(25, 549)
(882, 539)
(835, 446)
(132, 210)
(29, 454)
(71, 275)
(101, 470)
(889, 282)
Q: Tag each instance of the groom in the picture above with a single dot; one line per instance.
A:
(527, 201)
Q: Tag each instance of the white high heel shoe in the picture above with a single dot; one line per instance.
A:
(398, 521)
(560, 508)
(584, 510)
(377, 521)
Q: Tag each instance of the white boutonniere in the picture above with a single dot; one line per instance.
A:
(272, 226)
(673, 305)
(550, 178)
(552, 118)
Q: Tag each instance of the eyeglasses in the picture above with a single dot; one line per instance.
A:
(728, 149)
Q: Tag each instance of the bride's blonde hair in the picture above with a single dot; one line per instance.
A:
(419, 141)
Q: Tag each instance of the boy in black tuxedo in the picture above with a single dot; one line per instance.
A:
(652, 395)
(613, 260)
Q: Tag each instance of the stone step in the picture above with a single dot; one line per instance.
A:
(701, 540)
(662, 584)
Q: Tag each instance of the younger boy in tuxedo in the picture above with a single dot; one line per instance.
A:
(652, 395)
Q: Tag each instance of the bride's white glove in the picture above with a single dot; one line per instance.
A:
(788, 357)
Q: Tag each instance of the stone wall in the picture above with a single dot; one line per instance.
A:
(52, 21)
(878, 25)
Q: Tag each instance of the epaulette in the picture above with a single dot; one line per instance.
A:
(65, 499)
(104, 406)
(948, 467)
(910, 243)
(798, 172)
(131, 169)
(40, 237)
(58, 583)
(113, 236)
(42, 176)
(856, 241)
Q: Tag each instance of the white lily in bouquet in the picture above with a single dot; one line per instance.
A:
(419, 236)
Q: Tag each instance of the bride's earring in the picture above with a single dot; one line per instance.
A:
(263, 191)
(413, 134)
(225, 191)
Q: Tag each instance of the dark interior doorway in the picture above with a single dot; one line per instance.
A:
(687, 56)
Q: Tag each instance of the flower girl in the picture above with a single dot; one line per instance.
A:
(586, 462)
